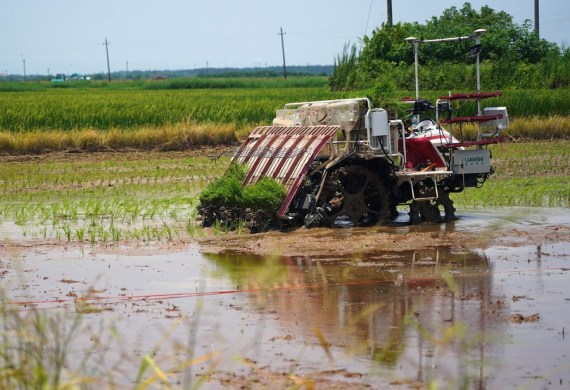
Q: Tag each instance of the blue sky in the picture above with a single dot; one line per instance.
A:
(66, 36)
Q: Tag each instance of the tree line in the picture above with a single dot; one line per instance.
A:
(513, 55)
(228, 72)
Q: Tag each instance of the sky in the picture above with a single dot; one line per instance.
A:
(67, 36)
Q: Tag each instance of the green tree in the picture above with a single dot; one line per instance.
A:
(513, 54)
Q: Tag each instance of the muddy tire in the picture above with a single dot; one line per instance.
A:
(355, 195)
(430, 212)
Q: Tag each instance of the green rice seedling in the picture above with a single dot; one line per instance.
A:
(114, 233)
(168, 231)
(241, 227)
(92, 235)
(228, 190)
(218, 228)
(67, 231)
(146, 234)
(135, 234)
(192, 228)
(103, 233)
(266, 194)
(80, 233)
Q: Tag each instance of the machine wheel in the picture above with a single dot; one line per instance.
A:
(356, 196)
(424, 211)
(429, 211)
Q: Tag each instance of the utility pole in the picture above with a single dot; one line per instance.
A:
(127, 76)
(283, 50)
(107, 50)
(24, 62)
(389, 21)
(536, 19)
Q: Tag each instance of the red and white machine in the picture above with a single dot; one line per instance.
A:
(346, 163)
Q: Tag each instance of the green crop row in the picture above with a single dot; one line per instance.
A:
(199, 82)
(130, 109)
(108, 197)
(99, 109)
(520, 103)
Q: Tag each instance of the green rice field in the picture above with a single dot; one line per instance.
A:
(76, 109)
(36, 118)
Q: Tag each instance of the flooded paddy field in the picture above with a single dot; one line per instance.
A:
(483, 302)
(107, 280)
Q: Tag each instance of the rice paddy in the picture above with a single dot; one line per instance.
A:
(133, 192)
(146, 194)
(103, 198)
(144, 189)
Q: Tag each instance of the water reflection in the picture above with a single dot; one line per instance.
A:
(426, 315)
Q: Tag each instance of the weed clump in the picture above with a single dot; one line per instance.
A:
(229, 204)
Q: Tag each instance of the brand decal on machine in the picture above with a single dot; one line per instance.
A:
(474, 160)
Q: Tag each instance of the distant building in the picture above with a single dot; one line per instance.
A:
(59, 78)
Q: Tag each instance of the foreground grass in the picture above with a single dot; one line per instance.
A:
(70, 348)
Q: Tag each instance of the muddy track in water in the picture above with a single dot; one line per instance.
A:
(330, 243)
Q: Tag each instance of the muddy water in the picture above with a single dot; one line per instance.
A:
(457, 318)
